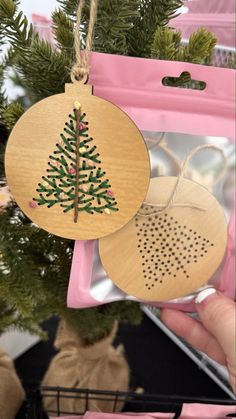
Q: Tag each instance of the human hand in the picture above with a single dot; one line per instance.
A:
(215, 334)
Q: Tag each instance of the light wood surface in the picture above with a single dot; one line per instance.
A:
(123, 153)
(168, 255)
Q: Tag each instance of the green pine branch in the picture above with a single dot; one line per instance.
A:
(152, 14)
(44, 70)
(3, 98)
(124, 27)
(36, 61)
(115, 18)
(63, 28)
(11, 114)
(200, 47)
(167, 45)
(35, 286)
(15, 25)
(3, 128)
(165, 10)
(69, 7)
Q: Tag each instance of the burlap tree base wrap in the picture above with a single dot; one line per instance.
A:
(11, 390)
(99, 366)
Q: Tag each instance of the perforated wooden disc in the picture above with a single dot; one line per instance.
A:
(112, 164)
(171, 254)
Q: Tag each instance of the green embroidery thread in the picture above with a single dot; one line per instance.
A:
(75, 179)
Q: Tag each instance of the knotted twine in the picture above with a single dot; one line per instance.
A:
(172, 200)
(80, 69)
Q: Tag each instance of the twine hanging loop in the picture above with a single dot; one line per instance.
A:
(172, 200)
(80, 69)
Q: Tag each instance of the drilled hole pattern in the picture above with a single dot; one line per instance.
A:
(167, 248)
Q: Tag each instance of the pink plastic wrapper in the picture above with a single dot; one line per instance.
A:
(91, 415)
(189, 411)
(203, 411)
(217, 16)
(96, 415)
(189, 117)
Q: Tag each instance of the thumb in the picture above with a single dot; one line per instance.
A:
(218, 315)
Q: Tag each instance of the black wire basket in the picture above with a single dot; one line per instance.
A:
(133, 402)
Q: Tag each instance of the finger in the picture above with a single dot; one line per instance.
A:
(218, 315)
(194, 333)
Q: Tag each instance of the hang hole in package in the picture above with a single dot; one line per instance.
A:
(182, 238)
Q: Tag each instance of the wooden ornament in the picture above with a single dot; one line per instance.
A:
(162, 255)
(81, 160)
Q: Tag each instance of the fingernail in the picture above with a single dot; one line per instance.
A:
(204, 296)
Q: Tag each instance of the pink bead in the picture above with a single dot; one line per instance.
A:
(71, 170)
(110, 192)
(32, 204)
(82, 126)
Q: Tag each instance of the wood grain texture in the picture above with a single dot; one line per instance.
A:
(171, 254)
(124, 158)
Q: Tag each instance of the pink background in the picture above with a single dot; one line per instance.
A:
(218, 16)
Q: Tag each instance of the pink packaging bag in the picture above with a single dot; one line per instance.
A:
(95, 415)
(211, 6)
(190, 117)
(204, 411)
(217, 16)
(189, 411)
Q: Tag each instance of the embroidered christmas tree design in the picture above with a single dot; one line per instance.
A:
(75, 178)
(167, 247)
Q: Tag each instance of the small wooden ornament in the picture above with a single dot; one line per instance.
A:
(66, 154)
(162, 255)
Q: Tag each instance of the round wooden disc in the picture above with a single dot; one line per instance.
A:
(40, 167)
(159, 257)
